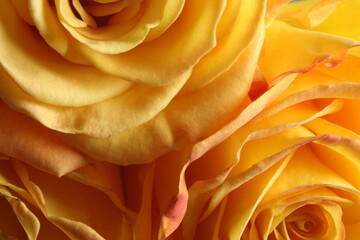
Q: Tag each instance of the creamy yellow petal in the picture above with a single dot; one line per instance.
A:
(171, 12)
(43, 74)
(299, 50)
(303, 160)
(194, 30)
(151, 17)
(348, 90)
(273, 5)
(308, 13)
(233, 37)
(85, 16)
(139, 104)
(344, 21)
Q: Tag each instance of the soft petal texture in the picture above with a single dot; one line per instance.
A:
(300, 57)
(25, 139)
(182, 121)
(344, 21)
(158, 66)
(57, 199)
(309, 13)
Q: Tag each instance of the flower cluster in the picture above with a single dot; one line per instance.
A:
(179, 119)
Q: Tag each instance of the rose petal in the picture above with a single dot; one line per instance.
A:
(46, 76)
(304, 50)
(151, 17)
(344, 21)
(156, 58)
(47, 23)
(139, 104)
(18, 214)
(308, 13)
(233, 37)
(62, 200)
(185, 119)
(25, 139)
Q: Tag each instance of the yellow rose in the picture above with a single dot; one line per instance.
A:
(241, 116)
(292, 171)
(127, 81)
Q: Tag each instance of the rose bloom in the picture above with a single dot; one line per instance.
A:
(179, 119)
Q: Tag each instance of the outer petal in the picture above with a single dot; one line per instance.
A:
(186, 119)
(43, 74)
(298, 56)
(308, 13)
(25, 139)
(194, 31)
(78, 210)
(344, 21)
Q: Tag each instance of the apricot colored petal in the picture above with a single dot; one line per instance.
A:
(105, 177)
(62, 200)
(194, 30)
(322, 210)
(346, 117)
(245, 116)
(344, 160)
(26, 218)
(139, 104)
(25, 139)
(274, 207)
(47, 23)
(346, 71)
(87, 18)
(347, 90)
(344, 21)
(352, 230)
(22, 8)
(173, 203)
(185, 120)
(230, 43)
(304, 50)
(144, 224)
(255, 172)
(151, 17)
(273, 5)
(28, 212)
(308, 14)
(171, 12)
(237, 215)
(65, 13)
(43, 74)
(321, 173)
(201, 191)
(10, 226)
